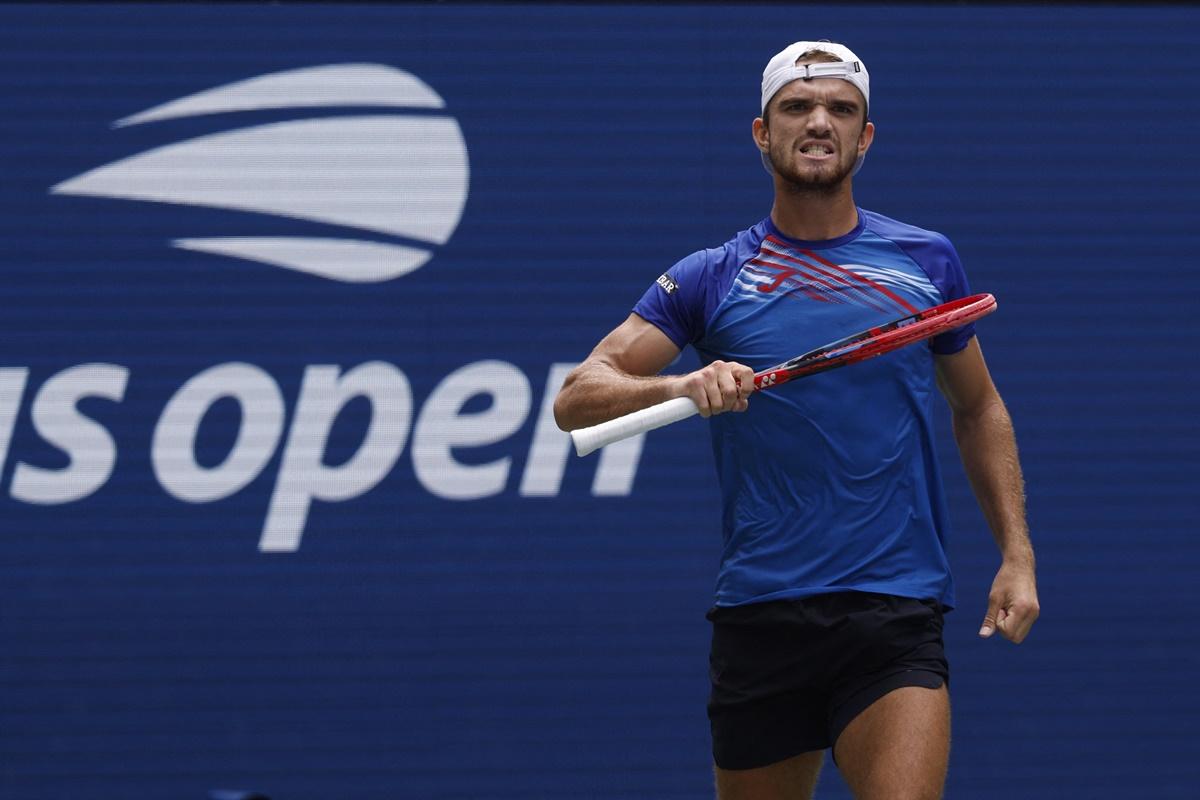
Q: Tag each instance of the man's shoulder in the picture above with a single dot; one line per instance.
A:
(743, 242)
(724, 257)
(684, 298)
(930, 250)
(902, 233)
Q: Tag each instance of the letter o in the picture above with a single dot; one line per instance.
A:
(173, 452)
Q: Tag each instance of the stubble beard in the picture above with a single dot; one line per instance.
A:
(821, 182)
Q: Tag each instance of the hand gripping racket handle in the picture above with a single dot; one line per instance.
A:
(647, 419)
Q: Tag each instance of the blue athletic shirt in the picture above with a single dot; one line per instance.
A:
(829, 483)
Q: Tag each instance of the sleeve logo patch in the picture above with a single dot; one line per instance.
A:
(665, 281)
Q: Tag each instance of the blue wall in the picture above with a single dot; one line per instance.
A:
(469, 613)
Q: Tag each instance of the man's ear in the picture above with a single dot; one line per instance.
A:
(762, 137)
(866, 138)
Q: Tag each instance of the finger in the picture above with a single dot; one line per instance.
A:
(1027, 621)
(712, 388)
(1018, 624)
(698, 393)
(1003, 621)
(744, 376)
(730, 393)
(745, 379)
(1010, 627)
(990, 619)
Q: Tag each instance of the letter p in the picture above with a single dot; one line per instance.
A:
(303, 475)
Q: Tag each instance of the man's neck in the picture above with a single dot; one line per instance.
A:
(814, 216)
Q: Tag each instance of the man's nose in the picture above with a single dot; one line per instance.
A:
(819, 119)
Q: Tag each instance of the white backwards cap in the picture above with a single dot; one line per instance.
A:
(782, 70)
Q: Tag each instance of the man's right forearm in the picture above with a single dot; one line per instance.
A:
(596, 392)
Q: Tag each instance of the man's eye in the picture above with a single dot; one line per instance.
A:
(842, 109)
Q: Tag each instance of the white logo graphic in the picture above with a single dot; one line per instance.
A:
(405, 176)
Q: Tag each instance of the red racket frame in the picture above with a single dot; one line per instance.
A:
(879, 340)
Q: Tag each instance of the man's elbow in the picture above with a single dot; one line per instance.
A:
(562, 412)
(564, 404)
(986, 410)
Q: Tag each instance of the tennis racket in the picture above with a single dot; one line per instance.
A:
(850, 350)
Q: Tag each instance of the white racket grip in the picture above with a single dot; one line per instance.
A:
(590, 439)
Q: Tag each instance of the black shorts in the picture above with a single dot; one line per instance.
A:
(789, 675)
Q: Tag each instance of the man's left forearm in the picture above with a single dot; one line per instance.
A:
(988, 447)
(984, 432)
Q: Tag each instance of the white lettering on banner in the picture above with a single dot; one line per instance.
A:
(440, 427)
(551, 447)
(618, 465)
(173, 452)
(303, 476)
(384, 171)
(88, 445)
(12, 389)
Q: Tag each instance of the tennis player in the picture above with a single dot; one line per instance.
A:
(827, 626)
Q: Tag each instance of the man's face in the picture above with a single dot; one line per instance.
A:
(816, 132)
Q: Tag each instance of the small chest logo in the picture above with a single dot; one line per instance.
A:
(669, 286)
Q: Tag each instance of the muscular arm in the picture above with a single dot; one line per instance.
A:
(988, 446)
(621, 375)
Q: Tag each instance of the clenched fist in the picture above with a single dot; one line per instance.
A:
(719, 387)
